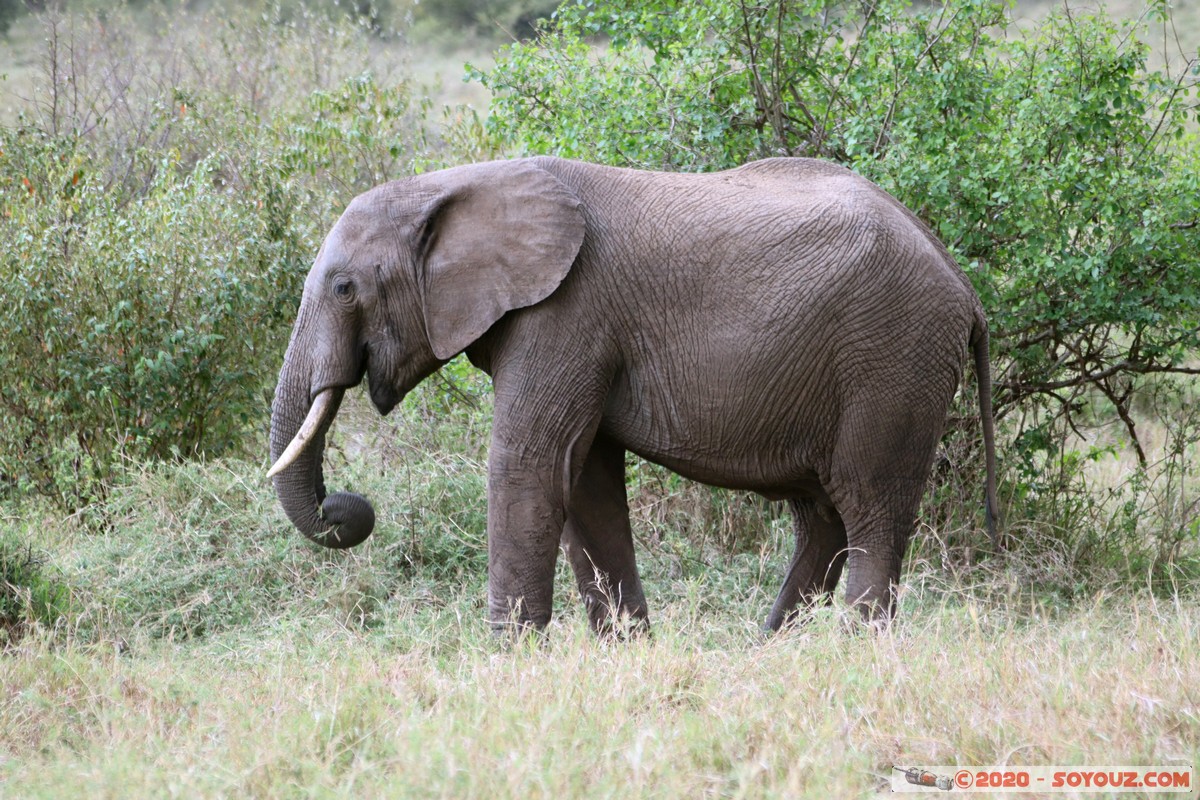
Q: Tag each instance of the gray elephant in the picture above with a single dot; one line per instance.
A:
(786, 327)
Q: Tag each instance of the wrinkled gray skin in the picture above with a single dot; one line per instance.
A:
(785, 327)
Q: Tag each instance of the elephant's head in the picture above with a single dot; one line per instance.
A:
(412, 274)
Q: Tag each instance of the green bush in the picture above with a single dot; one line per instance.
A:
(1061, 169)
(508, 18)
(141, 327)
(30, 592)
(155, 252)
(1057, 165)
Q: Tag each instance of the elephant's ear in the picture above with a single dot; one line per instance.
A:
(496, 237)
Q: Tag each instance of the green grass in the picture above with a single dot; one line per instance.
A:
(209, 651)
(429, 705)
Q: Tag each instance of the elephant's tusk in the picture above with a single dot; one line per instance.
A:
(316, 416)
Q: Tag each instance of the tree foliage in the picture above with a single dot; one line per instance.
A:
(160, 206)
(1057, 165)
(507, 18)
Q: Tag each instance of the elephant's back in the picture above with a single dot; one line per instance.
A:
(763, 244)
(806, 180)
(799, 204)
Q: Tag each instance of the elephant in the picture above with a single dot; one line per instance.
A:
(785, 327)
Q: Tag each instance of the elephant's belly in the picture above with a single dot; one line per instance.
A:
(775, 481)
(735, 417)
(770, 456)
(773, 484)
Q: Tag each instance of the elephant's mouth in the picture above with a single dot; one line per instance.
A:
(384, 395)
(342, 381)
(384, 398)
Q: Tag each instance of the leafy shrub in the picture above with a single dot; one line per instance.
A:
(141, 329)
(510, 18)
(1057, 166)
(159, 220)
(1061, 169)
(29, 592)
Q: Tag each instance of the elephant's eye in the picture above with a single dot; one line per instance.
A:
(343, 289)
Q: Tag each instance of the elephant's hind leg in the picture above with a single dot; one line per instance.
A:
(816, 564)
(879, 506)
(599, 543)
(885, 446)
(878, 534)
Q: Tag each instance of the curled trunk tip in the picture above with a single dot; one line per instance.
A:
(339, 520)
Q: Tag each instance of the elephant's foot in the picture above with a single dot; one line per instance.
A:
(612, 616)
(518, 636)
(873, 597)
(517, 617)
(782, 619)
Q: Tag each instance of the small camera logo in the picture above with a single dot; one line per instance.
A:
(923, 777)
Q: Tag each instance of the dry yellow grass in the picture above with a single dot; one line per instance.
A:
(435, 708)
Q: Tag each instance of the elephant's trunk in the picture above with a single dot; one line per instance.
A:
(298, 431)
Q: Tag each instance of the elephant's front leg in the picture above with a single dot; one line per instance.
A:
(524, 527)
(599, 544)
(537, 453)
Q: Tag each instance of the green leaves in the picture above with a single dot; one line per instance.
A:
(142, 322)
(360, 129)
(154, 261)
(1056, 165)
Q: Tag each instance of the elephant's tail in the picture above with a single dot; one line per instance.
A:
(983, 377)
